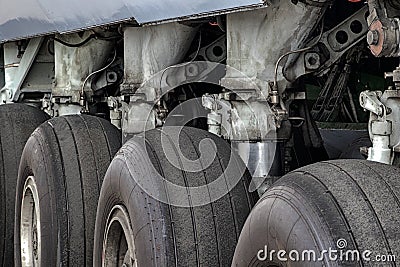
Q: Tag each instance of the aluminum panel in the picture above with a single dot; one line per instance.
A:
(26, 18)
(150, 11)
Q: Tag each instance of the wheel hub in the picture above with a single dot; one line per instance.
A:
(35, 242)
(118, 243)
(30, 224)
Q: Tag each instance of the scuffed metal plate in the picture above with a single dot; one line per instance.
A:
(26, 18)
(160, 10)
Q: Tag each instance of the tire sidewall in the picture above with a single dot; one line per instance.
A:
(120, 188)
(256, 223)
(39, 165)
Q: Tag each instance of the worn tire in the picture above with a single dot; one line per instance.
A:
(164, 234)
(62, 165)
(343, 205)
(17, 122)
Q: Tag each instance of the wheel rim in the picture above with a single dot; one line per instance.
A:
(30, 224)
(118, 244)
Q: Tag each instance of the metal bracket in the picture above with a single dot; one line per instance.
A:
(335, 42)
(214, 52)
(24, 67)
(370, 101)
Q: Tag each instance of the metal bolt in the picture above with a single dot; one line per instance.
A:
(274, 97)
(373, 37)
(388, 75)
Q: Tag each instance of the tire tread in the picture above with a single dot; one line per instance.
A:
(79, 149)
(17, 122)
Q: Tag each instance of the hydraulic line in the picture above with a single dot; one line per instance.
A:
(90, 37)
(93, 73)
(275, 90)
(294, 52)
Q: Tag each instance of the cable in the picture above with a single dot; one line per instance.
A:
(90, 37)
(108, 38)
(182, 64)
(97, 71)
(298, 125)
(294, 52)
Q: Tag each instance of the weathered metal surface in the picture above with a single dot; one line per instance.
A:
(254, 48)
(16, 69)
(70, 68)
(26, 18)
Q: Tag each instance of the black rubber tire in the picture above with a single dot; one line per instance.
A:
(17, 122)
(167, 235)
(68, 157)
(314, 207)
